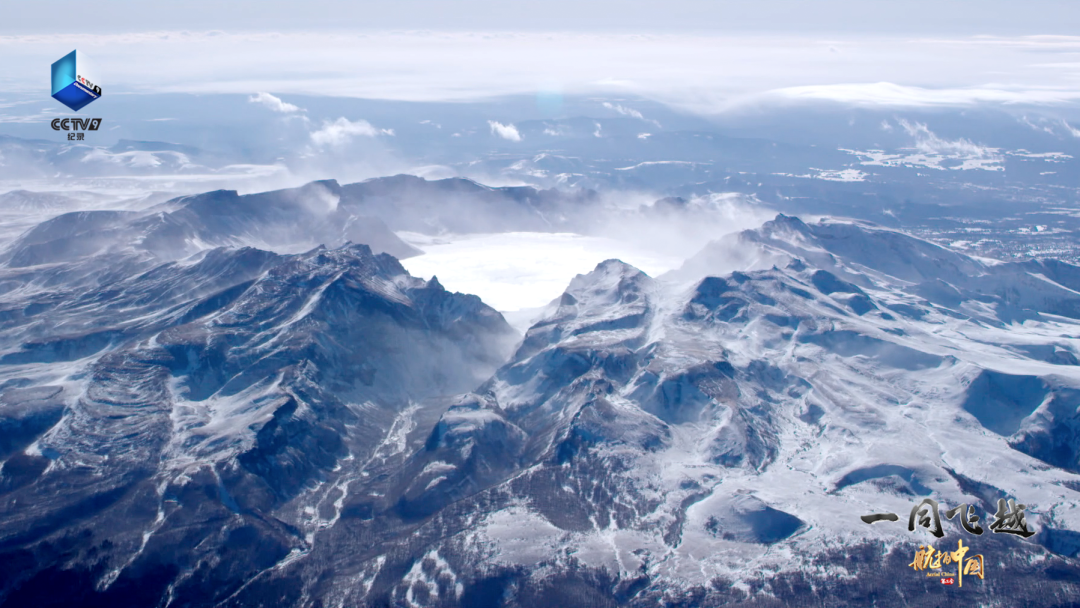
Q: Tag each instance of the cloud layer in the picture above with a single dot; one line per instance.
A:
(697, 71)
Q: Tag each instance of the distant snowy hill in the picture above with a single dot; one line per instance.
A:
(201, 406)
(458, 205)
(48, 158)
(284, 220)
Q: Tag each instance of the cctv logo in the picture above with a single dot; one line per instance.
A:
(72, 81)
(76, 124)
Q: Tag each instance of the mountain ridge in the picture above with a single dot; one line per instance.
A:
(237, 426)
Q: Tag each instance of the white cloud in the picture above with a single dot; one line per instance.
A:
(935, 152)
(507, 131)
(631, 112)
(557, 131)
(274, 103)
(1071, 129)
(343, 130)
(927, 142)
(23, 119)
(596, 133)
(625, 111)
(1037, 127)
(886, 126)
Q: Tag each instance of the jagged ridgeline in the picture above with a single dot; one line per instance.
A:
(229, 400)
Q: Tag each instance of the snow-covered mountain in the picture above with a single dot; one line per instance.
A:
(191, 420)
(674, 438)
(201, 397)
